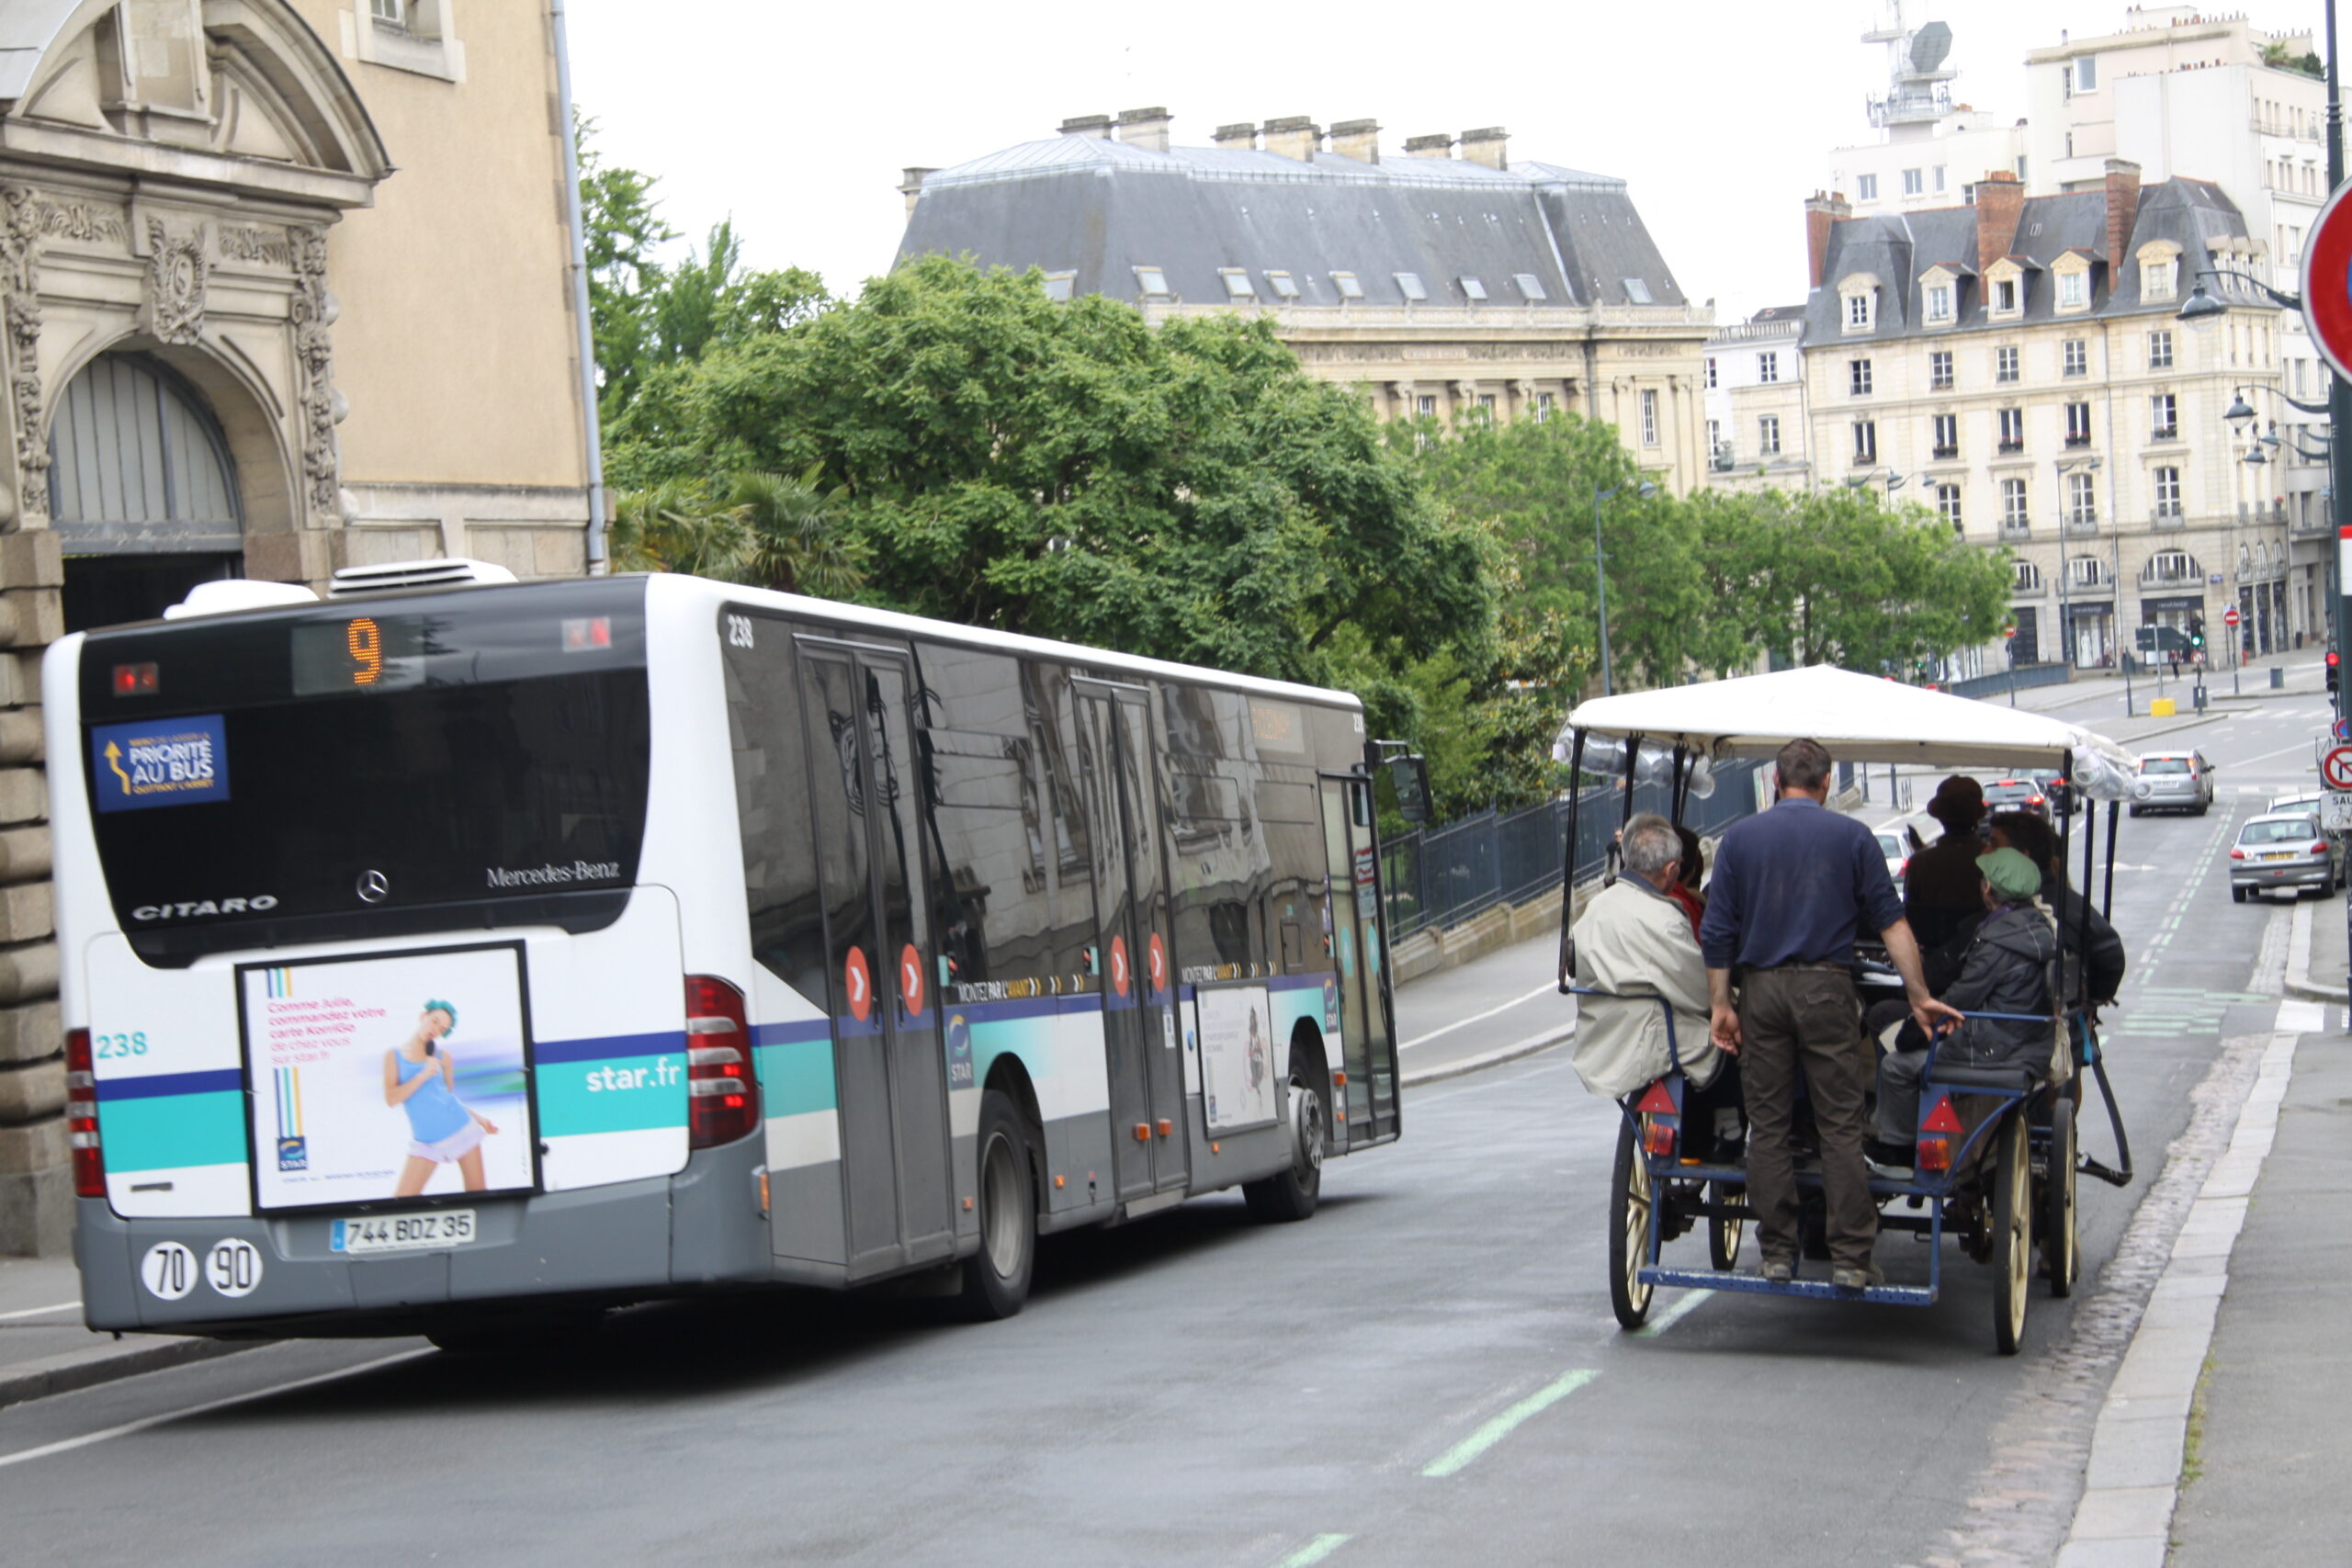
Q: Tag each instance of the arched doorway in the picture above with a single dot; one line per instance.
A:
(142, 491)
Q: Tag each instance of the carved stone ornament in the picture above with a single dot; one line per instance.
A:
(271, 247)
(20, 312)
(175, 275)
(312, 309)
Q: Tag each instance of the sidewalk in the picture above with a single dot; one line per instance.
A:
(44, 1349)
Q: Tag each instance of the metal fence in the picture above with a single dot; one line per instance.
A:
(2023, 678)
(1443, 875)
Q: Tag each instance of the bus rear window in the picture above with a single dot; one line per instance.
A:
(365, 769)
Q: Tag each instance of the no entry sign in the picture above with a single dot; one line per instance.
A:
(2336, 768)
(2327, 283)
(2229, 616)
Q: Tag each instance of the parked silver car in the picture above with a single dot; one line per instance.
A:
(2173, 781)
(2285, 848)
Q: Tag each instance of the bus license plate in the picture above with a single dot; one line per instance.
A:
(403, 1233)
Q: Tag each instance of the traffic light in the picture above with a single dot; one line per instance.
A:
(2333, 659)
(2196, 631)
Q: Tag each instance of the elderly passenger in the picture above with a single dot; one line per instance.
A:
(1635, 942)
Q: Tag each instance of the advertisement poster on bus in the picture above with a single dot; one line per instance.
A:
(1236, 1056)
(396, 1077)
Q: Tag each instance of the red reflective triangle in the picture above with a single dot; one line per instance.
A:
(1658, 1103)
(1941, 1119)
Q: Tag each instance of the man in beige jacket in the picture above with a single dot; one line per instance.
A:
(1635, 942)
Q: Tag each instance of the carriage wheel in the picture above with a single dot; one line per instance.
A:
(2061, 1252)
(1630, 1196)
(1724, 1235)
(2012, 1232)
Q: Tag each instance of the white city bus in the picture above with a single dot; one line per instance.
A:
(453, 960)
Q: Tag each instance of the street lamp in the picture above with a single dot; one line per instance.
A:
(1601, 574)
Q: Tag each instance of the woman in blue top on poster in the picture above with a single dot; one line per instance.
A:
(420, 1077)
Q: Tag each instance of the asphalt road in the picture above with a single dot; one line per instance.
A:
(1426, 1372)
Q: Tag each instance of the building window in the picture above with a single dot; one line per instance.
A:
(2012, 430)
(1059, 286)
(1865, 441)
(389, 13)
(1914, 182)
(1152, 283)
(1409, 284)
(2171, 565)
(1859, 313)
(2157, 279)
(1237, 283)
(1637, 292)
(1940, 303)
(1940, 172)
(1946, 443)
(1543, 406)
(2005, 363)
(2086, 572)
(2005, 297)
(1285, 285)
(2082, 504)
(2074, 290)
(1425, 405)
(1947, 505)
(1649, 417)
(1487, 404)
(1865, 187)
(1768, 368)
(1711, 372)
(2074, 357)
(2164, 409)
(1715, 436)
(2160, 349)
(1768, 434)
(1472, 288)
(1530, 288)
(2086, 73)
(1348, 285)
(1939, 370)
(2078, 425)
(2020, 168)
(2013, 513)
(2167, 492)
(2024, 577)
(1857, 378)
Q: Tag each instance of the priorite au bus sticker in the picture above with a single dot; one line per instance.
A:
(171, 761)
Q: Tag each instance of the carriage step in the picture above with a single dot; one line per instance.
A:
(1819, 1289)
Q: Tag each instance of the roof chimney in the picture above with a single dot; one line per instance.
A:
(1098, 126)
(1486, 146)
(1357, 139)
(911, 186)
(1147, 128)
(1429, 146)
(1294, 137)
(2000, 202)
(1239, 137)
(1821, 212)
(2122, 212)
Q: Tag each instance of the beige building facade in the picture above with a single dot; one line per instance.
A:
(286, 287)
(1451, 281)
(1758, 435)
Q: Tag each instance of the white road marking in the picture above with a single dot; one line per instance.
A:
(1673, 1314)
(68, 1444)
(1481, 1017)
(39, 1312)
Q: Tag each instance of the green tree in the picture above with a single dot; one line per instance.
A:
(675, 527)
(794, 538)
(622, 234)
(1067, 469)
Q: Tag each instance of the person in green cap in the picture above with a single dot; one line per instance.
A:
(2009, 967)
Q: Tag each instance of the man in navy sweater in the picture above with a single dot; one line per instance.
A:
(1793, 888)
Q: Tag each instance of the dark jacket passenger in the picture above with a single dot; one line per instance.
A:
(2101, 960)
(2008, 969)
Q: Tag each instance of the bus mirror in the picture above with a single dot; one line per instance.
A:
(1409, 776)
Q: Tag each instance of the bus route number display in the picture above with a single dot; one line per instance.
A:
(363, 653)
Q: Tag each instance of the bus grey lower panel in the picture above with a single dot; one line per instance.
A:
(716, 1232)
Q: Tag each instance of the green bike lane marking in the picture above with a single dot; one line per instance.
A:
(1314, 1551)
(1461, 1455)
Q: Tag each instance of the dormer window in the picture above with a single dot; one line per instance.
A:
(1637, 292)
(2159, 271)
(1059, 286)
(1409, 284)
(1348, 285)
(2074, 275)
(1285, 285)
(1237, 283)
(1859, 311)
(1472, 289)
(1151, 282)
(1530, 288)
(1939, 304)
(2003, 289)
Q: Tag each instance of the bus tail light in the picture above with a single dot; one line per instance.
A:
(722, 1092)
(81, 1117)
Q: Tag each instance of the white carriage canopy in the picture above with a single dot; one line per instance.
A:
(1860, 718)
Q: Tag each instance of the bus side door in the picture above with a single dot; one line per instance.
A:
(1350, 860)
(888, 1059)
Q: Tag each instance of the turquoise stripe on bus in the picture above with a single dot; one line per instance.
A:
(617, 1094)
(796, 1078)
(165, 1132)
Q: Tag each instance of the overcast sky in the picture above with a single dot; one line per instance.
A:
(798, 118)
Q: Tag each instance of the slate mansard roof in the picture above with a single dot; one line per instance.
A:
(1100, 209)
(2191, 214)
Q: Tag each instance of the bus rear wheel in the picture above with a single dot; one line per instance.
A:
(995, 1278)
(1293, 1193)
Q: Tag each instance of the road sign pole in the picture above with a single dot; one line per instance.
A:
(2339, 424)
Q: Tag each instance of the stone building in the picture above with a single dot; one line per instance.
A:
(1754, 376)
(286, 287)
(2021, 365)
(1451, 281)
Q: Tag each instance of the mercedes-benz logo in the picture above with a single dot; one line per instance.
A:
(373, 887)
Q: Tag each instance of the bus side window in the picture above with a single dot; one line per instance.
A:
(771, 802)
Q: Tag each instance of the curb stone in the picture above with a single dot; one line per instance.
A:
(2298, 961)
(108, 1363)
